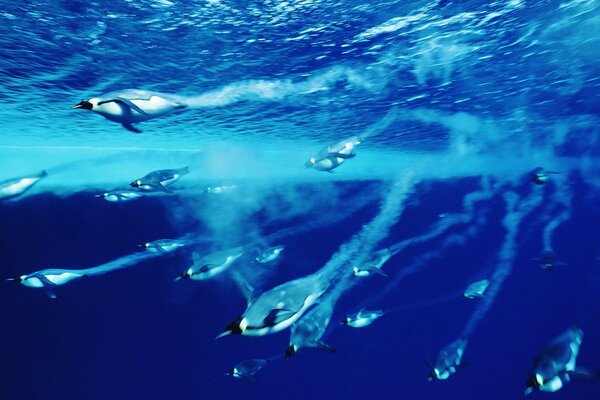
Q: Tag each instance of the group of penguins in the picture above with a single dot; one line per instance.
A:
(283, 306)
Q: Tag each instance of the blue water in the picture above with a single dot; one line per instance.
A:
(458, 101)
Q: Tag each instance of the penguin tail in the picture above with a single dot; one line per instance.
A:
(43, 173)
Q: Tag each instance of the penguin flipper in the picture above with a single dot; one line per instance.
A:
(278, 315)
(131, 128)
(164, 188)
(130, 104)
(49, 292)
(161, 250)
(585, 374)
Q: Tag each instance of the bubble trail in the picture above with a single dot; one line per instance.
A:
(563, 197)
(517, 210)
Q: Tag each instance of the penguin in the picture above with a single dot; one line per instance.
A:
(331, 157)
(159, 180)
(277, 309)
(548, 261)
(48, 279)
(368, 271)
(130, 106)
(555, 364)
(308, 330)
(539, 176)
(374, 264)
(448, 360)
(17, 186)
(362, 318)
(247, 369)
(119, 195)
(476, 289)
(214, 264)
(164, 245)
(269, 254)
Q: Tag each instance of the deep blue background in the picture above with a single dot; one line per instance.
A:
(137, 334)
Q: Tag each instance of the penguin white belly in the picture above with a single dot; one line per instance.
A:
(155, 105)
(17, 187)
(33, 282)
(310, 300)
(360, 323)
(328, 163)
(63, 278)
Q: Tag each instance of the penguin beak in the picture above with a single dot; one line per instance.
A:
(231, 329)
(86, 105)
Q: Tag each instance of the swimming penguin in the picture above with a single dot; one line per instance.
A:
(17, 186)
(555, 364)
(362, 318)
(539, 176)
(278, 308)
(159, 180)
(209, 266)
(164, 245)
(247, 369)
(131, 106)
(48, 279)
(374, 264)
(548, 261)
(269, 254)
(368, 271)
(331, 157)
(118, 195)
(308, 330)
(448, 360)
(476, 289)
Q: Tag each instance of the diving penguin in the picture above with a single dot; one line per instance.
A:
(540, 176)
(131, 106)
(476, 289)
(209, 266)
(331, 157)
(555, 364)
(159, 180)
(164, 245)
(17, 186)
(362, 318)
(278, 308)
(48, 279)
(548, 261)
(247, 369)
(269, 254)
(373, 264)
(119, 195)
(448, 360)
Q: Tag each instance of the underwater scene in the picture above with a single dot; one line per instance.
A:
(218, 199)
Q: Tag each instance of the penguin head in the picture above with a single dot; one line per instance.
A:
(532, 384)
(310, 163)
(184, 275)
(85, 104)
(237, 327)
(291, 350)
